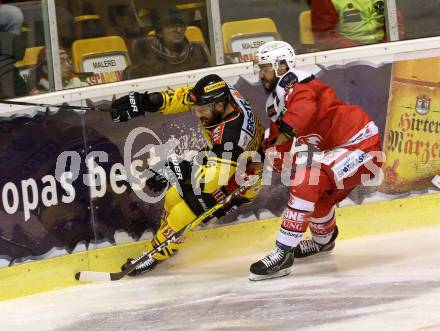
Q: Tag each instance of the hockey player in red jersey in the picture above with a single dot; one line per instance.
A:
(304, 110)
(230, 126)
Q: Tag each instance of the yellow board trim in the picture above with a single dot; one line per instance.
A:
(220, 242)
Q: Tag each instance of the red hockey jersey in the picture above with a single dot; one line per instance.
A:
(321, 119)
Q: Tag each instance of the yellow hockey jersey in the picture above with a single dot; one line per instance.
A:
(240, 131)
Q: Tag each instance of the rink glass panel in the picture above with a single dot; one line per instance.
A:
(420, 21)
(288, 16)
(15, 61)
(131, 21)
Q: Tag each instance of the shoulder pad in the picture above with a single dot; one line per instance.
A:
(308, 79)
(288, 79)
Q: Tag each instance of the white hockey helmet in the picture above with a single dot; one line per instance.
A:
(273, 52)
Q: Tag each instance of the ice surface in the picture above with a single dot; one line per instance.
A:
(3, 262)
(386, 282)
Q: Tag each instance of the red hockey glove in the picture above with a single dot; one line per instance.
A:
(267, 142)
(276, 154)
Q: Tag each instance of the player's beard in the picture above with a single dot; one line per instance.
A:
(270, 85)
(215, 119)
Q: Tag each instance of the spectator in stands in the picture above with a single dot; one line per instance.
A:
(168, 51)
(89, 24)
(11, 18)
(124, 23)
(348, 23)
(66, 26)
(40, 77)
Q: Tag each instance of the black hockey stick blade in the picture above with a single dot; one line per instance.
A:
(98, 276)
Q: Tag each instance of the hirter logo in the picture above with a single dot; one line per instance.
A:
(423, 104)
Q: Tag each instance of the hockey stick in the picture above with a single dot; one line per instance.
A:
(45, 105)
(110, 276)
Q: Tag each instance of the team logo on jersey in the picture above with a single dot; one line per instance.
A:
(217, 134)
(214, 86)
(289, 87)
(423, 104)
(311, 139)
(288, 81)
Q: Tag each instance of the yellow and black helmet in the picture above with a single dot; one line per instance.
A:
(210, 88)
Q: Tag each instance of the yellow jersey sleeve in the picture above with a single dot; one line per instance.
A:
(176, 101)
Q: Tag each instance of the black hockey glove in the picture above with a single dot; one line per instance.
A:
(180, 173)
(132, 105)
(157, 183)
(177, 173)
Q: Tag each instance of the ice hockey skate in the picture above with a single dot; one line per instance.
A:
(276, 264)
(309, 247)
(142, 268)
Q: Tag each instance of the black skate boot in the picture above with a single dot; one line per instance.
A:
(276, 264)
(144, 267)
(310, 247)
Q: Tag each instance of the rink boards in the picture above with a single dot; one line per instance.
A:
(234, 240)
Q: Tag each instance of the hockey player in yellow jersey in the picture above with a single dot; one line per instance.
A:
(230, 127)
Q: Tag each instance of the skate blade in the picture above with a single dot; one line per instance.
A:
(281, 273)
